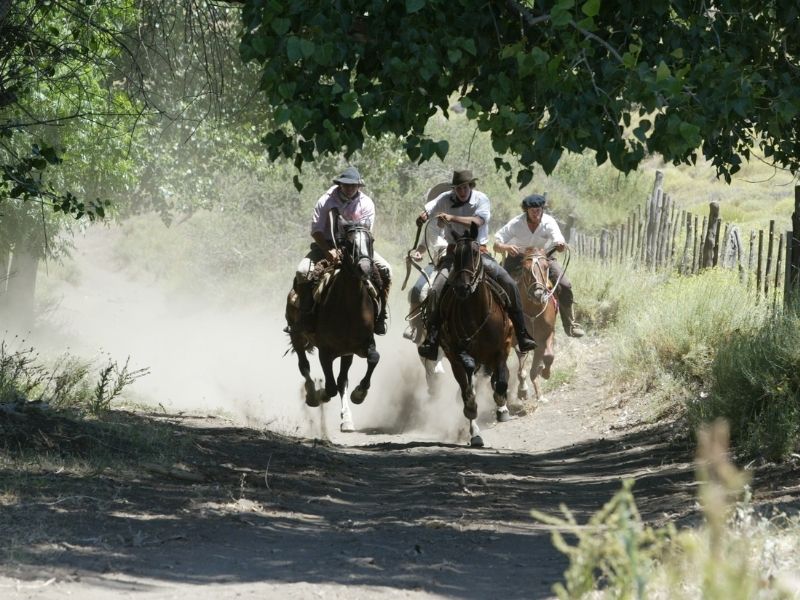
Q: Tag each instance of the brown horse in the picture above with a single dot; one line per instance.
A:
(540, 308)
(475, 330)
(343, 324)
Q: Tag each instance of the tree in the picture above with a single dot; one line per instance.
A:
(623, 79)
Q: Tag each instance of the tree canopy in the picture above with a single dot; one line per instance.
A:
(623, 79)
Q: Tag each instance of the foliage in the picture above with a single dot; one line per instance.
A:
(615, 548)
(756, 386)
(67, 384)
(678, 328)
(735, 554)
(603, 292)
(621, 79)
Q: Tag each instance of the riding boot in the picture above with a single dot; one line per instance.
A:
(525, 342)
(380, 320)
(430, 347)
(572, 328)
(305, 295)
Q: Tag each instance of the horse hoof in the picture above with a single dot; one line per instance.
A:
(476, 442)
(358, 395)
(503, 416)
(347, 427)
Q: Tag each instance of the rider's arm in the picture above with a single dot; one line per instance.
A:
(503, 239)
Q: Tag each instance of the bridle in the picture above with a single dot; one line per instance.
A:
(357, 245)
(474, 268)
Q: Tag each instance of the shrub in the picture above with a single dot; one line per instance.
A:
(756, 386)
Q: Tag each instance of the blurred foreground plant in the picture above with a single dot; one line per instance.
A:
(618, 556)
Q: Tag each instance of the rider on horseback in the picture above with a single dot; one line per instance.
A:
(353, 205)
(534, 229)
(455, 210)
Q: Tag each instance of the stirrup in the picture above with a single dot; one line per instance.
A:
(380, 326)
(526, 343)
(428, 350)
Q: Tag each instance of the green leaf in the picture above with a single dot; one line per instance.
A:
(690, 133)
(349, 105)
(307, 48)
(280, 25)
(591, 8)
(441, 149)
(662, 72)
(524, 177)
(469, 46)
(454, 54)
(413, 6)
(293, 48)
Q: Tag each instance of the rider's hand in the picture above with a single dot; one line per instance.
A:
(560, 247)
(443, 219)
(512, 250)
(332, 255)
(423, 216)
(415, 255)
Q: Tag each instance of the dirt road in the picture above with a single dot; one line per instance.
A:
(276, 503)
(374, 514)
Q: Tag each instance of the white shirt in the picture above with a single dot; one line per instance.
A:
(517, 233)
(476, 206)
(360, 209)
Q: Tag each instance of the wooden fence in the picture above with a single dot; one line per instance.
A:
(661, 236)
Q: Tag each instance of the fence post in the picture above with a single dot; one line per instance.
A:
(794, 270)
(707, 260)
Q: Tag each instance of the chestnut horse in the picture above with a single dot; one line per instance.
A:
(539, 306)
(343, 324)
(475, 330)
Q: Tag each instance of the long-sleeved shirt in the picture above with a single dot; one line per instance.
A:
(476, 206)
(360, 209)
(516, 232)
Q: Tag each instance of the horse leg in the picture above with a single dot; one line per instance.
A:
(341, 385)
(548, 356)
(326, 362)
(362, 388)
(312, 396)
(544, 360)
(500, 381)
(475, 439)
(523, 368)
(463, 371)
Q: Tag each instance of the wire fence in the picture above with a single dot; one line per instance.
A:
(658, 235)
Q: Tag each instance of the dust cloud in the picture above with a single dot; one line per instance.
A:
(231, 362)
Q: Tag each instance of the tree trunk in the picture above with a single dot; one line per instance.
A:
(18, 311)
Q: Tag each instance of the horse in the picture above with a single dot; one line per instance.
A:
(416, 327)
(343, 321)
(475, 330)
(540, 308)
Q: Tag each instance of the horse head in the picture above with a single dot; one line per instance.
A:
(467, 264)
(357, 251)
(535, 278)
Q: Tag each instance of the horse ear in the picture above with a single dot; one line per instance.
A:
(473, 231)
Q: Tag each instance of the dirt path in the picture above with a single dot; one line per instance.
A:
(374, 515)
(402, 508)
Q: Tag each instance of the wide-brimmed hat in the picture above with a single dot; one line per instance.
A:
(533, 201)
(464, 176)
(438, 190)
(350, 176)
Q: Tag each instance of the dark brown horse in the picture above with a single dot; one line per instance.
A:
(343, 324)
(539, 306)
(476, 331)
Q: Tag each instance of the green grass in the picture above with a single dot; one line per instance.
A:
(756, 387)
